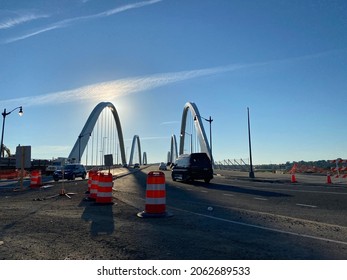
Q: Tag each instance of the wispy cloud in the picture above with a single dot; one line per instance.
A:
(70, 21)
(169, 123)
(20, 18)
(112, 90)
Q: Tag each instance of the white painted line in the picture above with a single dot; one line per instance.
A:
(46, 187)
(306, 205)
(228, 194)
(260, 198)
(263, 228)
(204, 191)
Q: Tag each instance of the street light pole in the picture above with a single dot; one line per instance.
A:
(210, 120)
(4, 114)
(251, 172)
(191, 140)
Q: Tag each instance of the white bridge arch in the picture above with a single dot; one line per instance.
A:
(199, 127)
(135, 139)
(173, 154)
(82, 139)
(144, 159)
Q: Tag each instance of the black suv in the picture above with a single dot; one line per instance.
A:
(71, 171)
(195, 166)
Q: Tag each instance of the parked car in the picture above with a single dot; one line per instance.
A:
(71, 172)
(136, 165)
(162, 166)
(195, 166)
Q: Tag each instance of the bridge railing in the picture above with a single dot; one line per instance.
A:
(232, 164)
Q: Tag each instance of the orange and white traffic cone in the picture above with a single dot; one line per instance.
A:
(293, 180)
(329, 179)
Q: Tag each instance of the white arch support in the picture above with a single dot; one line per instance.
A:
(204, 145)
(169, 157)
(144, 160)
(83, 138)
(173, 149)
(135, 139)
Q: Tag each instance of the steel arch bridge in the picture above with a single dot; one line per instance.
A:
(199, 127)
(83, 138)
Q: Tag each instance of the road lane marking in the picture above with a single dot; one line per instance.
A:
(260, 198)
(306, 205)
(204, 191)
(262, 227)
(228, 194)
(340, 192)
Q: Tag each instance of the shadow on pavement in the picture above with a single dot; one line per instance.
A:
(101, 217)
(244, 190)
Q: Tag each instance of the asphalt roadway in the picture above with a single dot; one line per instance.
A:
(233, 217)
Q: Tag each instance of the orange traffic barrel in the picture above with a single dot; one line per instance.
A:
(36, 179)
(105, 185)
(155, 204)
(94, 186)
(90, 175)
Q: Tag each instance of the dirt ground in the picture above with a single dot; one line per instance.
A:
(41, 224)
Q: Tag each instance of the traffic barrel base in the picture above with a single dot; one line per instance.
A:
(144, 214)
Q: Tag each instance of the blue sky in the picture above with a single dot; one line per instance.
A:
(285, 60)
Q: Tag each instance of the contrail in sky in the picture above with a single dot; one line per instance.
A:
(20, 18)
(67, 22)
(111, 90)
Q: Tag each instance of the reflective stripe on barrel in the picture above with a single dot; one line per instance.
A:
(105, 185)
(94, 186)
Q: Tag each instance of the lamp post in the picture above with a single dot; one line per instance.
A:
(4, 114)
(79, 145)
(210, 120)
(251, 172)
(191, 141)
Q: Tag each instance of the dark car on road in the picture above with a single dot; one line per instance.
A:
(71, 172)
(190, 167)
